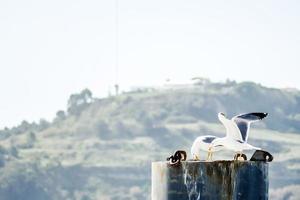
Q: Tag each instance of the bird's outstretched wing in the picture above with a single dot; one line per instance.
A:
(243, 122)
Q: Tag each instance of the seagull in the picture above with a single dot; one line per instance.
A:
(237, 132)
(204, 143)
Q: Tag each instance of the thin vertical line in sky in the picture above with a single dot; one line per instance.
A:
(117, 41)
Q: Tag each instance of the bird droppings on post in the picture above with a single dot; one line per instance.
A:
(197, 180)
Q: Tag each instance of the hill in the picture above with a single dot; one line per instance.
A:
(101, 148)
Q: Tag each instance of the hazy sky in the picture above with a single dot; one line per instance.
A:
(50, 49)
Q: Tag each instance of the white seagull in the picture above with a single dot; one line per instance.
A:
(204, 143)
(237, 131)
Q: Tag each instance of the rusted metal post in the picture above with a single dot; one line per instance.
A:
(218, 180)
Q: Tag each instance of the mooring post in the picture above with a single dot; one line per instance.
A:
(218, 180)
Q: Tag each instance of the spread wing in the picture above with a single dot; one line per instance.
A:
(243, 122)
(232, 130)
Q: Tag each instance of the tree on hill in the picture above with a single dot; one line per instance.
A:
(77, 102)
(60, 116)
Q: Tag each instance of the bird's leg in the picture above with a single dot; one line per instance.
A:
(236, 156)
(195, 157)
(209, 154)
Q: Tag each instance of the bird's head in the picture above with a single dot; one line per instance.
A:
(221, 115)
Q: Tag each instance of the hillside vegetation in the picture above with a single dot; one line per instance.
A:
(102, 148)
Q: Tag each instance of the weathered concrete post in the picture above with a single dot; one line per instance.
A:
(218, 180)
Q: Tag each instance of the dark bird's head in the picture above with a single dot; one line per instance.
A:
(221, 115)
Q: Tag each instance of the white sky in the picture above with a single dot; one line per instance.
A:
(50, 49)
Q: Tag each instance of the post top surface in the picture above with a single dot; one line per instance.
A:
(221, 162)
